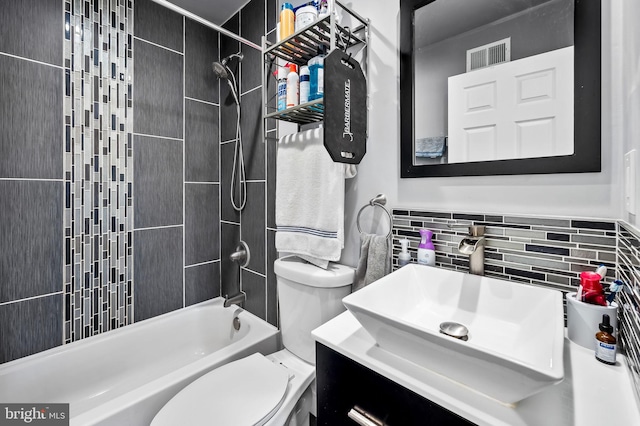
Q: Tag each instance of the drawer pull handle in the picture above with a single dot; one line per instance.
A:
(363, 418)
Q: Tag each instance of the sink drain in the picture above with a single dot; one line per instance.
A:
(454, 329)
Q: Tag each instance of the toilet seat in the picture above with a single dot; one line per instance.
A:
(244, 392)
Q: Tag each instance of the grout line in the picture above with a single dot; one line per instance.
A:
(161, 137)
(208, 262)
(159, 45)
(228, 222)
(26, 299)
(33, 179)
(228, 141)
(202, 183)
(254, 273)
(219, 140)
(151, 228)
(37, 62)
(252, 90)
(184, 171)
(201, 101)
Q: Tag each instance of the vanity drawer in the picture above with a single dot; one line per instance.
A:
(343, 384)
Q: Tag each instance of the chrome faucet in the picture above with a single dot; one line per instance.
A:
(473, 245)
(241, 256)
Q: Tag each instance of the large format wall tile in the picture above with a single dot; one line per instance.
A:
(32, 29)
(201, 283)
(252, 137)
(254, 286)
(31, 123)
(201, 50)
(158, 270)
(229, 271)
(31, 244)
(252, 24)
(158, 24)
(201, 223)
(30, 326)
(158, 184)
(272, 292)
(226, 168)
(158, 95)
(202, 145)
(254, 226)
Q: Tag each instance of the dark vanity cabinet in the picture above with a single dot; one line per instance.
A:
(343, 384)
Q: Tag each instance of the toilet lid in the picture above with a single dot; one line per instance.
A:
(246, 392)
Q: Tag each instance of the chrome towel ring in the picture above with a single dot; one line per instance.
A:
(378, 201)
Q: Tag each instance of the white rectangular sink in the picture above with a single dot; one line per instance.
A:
(515, 336)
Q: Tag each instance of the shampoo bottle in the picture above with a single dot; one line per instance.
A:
(605, 342)
(426, 251)
(404, 258)
(293, 86)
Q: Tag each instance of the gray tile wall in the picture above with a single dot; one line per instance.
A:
(257, 279)
(31, 177)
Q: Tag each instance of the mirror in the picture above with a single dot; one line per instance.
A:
(499, 88)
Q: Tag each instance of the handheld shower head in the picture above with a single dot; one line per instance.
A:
(238, 55)
(220, 70)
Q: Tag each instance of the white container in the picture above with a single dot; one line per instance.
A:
(305, 16)
(304, 84)
(293, 87)
(583, 320)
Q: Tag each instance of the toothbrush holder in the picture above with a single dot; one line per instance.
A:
(583, 320)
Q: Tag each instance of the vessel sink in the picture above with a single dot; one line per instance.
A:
(513, 345)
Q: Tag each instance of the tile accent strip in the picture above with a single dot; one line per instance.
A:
(547, 252)
(98, 216)
(629, 273)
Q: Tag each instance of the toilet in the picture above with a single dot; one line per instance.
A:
(276, 389)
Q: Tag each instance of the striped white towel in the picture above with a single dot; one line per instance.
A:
(310, 198)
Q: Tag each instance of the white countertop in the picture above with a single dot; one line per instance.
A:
(592, 393)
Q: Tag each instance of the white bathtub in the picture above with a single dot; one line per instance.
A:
(123, 377)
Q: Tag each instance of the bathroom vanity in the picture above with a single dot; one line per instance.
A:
(352, 370)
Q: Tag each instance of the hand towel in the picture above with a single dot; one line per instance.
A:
(433, 147)
(375, 260)
(310, 198)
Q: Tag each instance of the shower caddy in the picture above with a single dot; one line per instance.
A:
(304, 45)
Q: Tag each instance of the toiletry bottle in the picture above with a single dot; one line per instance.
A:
(316, 76)
(293, 86)
(605, 342)
(287, 20)
(304, 84)
(426, 251)
(404, 258)
(323, 9)
(282, 88)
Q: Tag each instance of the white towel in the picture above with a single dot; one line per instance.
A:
(310, 198)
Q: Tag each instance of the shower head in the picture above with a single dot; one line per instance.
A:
(220, 70)
(238, 55)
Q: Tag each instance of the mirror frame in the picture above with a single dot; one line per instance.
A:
(587, 106)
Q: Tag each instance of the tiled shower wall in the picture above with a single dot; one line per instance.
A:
(256, 223)
(150, 182)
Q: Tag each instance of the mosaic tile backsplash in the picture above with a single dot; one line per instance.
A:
(98, 168)
(629, 273)
(549, 252)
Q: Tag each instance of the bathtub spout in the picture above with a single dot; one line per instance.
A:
(238, 299)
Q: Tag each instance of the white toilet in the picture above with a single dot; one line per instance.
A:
(277, 389)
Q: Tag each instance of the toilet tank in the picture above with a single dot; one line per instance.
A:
(308, 297)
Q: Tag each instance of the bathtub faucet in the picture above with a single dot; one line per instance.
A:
(238, 299)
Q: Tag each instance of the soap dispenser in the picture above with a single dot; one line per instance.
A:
(404, 258)
(426, 250)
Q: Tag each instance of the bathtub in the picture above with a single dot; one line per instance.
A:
(123, 377)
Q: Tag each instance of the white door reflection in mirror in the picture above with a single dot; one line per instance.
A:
(518, 109)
